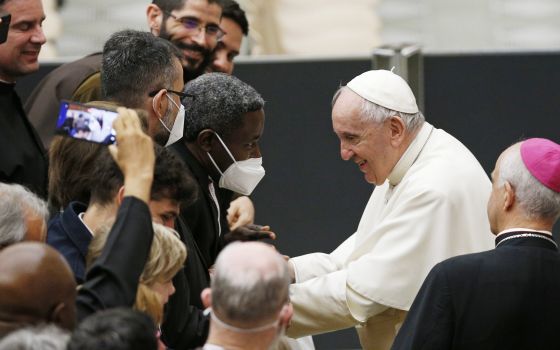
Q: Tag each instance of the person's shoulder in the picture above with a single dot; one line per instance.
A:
(462, 264)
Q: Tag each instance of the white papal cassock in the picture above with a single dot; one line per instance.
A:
(432, 207)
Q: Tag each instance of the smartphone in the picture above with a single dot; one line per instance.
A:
(87, 123)
(4, 26)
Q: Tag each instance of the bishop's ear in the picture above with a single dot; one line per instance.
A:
(509, 196)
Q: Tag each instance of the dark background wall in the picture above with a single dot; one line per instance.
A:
(313, 200)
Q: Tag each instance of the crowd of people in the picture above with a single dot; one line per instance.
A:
(151, 242)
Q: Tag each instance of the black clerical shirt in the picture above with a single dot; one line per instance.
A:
(22, 156)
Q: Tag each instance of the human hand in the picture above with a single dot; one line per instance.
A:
(134, 154)
(249, 233)
(241, 212)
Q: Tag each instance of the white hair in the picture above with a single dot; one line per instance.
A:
(536, 200)
(43, 337)
(378, 114)
(16, 202)
(252, 292)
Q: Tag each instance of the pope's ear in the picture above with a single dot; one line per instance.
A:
(204, 139)
(397, 129)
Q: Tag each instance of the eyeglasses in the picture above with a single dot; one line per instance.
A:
(193, 26)
(181, 95)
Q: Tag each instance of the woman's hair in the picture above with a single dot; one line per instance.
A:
(167, 256)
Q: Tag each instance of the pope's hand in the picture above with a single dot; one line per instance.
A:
(250, 233)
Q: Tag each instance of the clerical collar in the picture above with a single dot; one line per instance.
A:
(410, 155)
(518, 233)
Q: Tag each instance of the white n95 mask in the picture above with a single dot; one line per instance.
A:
(177, 130)
(241, 176)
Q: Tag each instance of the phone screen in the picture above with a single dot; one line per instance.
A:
(4, 26)
(86, 123)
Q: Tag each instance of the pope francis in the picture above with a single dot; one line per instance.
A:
(429, 203)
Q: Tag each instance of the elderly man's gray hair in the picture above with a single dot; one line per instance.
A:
(536, 200)
(15, 202)
(43, 337)
(249, 291)
(219, 102)
(378, 114)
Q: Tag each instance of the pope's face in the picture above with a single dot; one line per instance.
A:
(366, 143)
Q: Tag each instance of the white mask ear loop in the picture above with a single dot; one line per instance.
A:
(155, 110)
(227, 149)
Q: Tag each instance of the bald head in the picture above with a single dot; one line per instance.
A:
(36, 286)
(251, 284)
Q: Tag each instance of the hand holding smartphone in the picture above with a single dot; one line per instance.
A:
(86, 123)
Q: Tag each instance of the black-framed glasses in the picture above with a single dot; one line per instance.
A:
(181, 95)
(193, 26)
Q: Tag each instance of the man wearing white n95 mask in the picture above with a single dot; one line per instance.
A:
(224, 120)
(428, 205)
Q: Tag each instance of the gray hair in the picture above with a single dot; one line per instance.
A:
(536, 200)
(16, 202)
(219, 102)
(135, 64)
(250, 294)
(377, 114)
(43, 337)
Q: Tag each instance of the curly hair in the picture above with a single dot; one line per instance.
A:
(218, 101)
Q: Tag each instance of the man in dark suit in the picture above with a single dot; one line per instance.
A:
(506, 298)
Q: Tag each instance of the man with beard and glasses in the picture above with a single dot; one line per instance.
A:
(192, 25)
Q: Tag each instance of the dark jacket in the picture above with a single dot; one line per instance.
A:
(23, 159)
(202, 216)
(68, 234)
(506, 298)
(43, 104)
(113, 278)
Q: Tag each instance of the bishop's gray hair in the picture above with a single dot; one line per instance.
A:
(15, 202)
(536, 200)
(219, 102)
(42, 337)
(378, 114)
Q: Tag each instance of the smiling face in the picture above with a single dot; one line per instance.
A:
(196, 45)
(364, 142)
(228, 48)
(19, 54)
